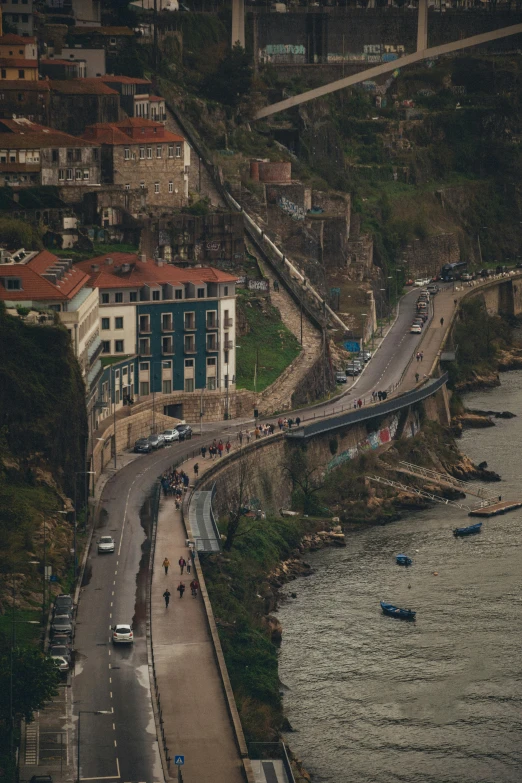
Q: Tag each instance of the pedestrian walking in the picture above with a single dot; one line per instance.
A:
(189, 566)
(196, 469)
(166, 596)
(442, 321)
(220, 448)
(181, 589)
(257, 433)
(297, 421)
(359, 403)
(248, 436)
(165, 565)
(182, 563)
(194, 588)
(455, 302)
(280, 423)
(228, 446)
(240, 437)
(421, 355)
(417, 376)
(203, 451)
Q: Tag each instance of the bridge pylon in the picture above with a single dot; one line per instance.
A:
(238, 22)
(422, 26)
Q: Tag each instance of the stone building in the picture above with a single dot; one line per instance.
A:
(18, 58)
(136, 99)
(29, 99)
(76, 103)
(140, 154)
(20, 15)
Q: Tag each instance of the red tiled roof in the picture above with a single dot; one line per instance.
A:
(115, 132)
(88, 86)
(110, 276)
(24, 84)
(36, 287)
(156, 98)
(51, 60)
(10, 39)
(21, 134)
(15, 62)
(124, 79)
(83, 29)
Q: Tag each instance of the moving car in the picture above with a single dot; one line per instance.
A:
(171, 435)
(433, 289)
(421, 282)
(122, 634)
(185, 431)
(142, 446)
(340, 377)
(105, 544)
(156, 441)
(62, 624)
(415, 329)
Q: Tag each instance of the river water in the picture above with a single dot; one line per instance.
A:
(375, 700)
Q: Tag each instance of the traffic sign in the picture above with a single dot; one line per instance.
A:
(179, 760)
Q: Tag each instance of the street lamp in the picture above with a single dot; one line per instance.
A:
(80, 713)
(163, 363)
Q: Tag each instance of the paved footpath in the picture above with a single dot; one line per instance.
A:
(194, 710)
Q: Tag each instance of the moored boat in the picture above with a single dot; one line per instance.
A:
(467, 531)
(404, 560)
(396, 611)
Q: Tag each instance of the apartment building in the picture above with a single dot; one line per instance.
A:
(19, 14)
(141, 154)
(178, 323)
(136, 99)
(18, 58)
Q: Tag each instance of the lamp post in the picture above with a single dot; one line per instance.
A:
(80, 713)
(163, 363)
(389, 277)
(383, 291)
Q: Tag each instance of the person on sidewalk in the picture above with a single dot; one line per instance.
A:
(194, 588)
(220, 448)
(421, 355)
(203, 451)
(228, 446)
(248, 436)
(182, 563)
(166, 596)
(442, 321)
(297, 421)
(240, 437)
(189, 566)
(417, 376)
(181, 589)
(165, 565)
(196, 469)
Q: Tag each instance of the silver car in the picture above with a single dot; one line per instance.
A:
(156, 441)
(170, 436)
(61, 663)
(105, 544)
(122, 634)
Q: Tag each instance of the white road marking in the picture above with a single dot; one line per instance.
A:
(110, 693)
(110, 680)
(114, 727)
(115, 744)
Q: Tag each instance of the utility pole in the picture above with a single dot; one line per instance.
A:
(301, 308)
(114, 411)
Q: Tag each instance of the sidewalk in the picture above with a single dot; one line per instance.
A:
(194, 710)
(44, 748)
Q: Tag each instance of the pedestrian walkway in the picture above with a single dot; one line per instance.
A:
(44, 748)
(195, 715)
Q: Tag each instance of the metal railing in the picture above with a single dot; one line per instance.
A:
(272, 751)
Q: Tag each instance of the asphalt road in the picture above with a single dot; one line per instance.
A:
(119, 741)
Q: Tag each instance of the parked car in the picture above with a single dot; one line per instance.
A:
(105, 544)
(365, 356)
(156, 441)
(61, 663)
(63, 601)
(421, 282)
(170, 435)
(352, 370)
(62, 624)
(63, 640)
(142, 446)
(466, 276)
(415, 329)
(433, 289)
(122, 634)
(185, 431)
(501, 269)
(340, 377)
(63, 613)
(62, 650)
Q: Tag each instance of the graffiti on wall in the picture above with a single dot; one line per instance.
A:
(282, 53)
(259, 285)
(372, 441)
(371, 53)
(295, 211)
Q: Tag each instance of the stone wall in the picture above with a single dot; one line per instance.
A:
(427, 256)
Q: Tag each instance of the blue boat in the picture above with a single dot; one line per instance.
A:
(395, 611)
(467, 531)
(404, 560)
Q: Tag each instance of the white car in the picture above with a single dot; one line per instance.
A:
(415, 329)
(421, 282)
(170, 436)
(60, 662)
(122, 634)
(105, 544)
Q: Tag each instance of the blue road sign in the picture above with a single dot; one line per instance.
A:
(179, 761)
(352, 346)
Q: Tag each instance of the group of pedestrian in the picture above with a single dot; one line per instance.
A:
(419, 356)
(175, 482)
(183, 564)
(216, 449)
(244, 436)
(262, 430)
(287, 424)
(379, 395)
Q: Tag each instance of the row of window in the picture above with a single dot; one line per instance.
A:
(117, 297)
(167, 323)
(146, 153)
(21, 73)
(24, 18)
(166, 386)
(73, 174)
(167, 345)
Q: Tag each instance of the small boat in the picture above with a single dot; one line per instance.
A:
(395, 611)
(467, 531)
(404, 560)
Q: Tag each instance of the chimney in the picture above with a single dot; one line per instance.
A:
(143, 258)
(109, 261)
(159, 261)
(95, 267)
(125, 267)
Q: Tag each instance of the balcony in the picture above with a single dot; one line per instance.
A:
(228, 345)
(212, 345)
(190, 347)
(189, 324)
(212, 323)
(229, 323)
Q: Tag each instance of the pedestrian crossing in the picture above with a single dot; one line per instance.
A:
(31, 742)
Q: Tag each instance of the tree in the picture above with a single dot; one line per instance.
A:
(35, 678)
(18, 233)
(236, 502)
(232, 80)
(306, 480)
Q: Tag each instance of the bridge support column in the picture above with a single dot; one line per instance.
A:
(422, 26)
(238, 22)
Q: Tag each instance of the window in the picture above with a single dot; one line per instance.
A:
(4, 73)
(77, 155)
(118, 346)
(211, 384)
(190, 344)
(225, 357)
(70, 156)
(142, 185)
(178, 293)
(201, 293)
(113, 41)
(158, 152)
(178, 150)
(14, 284)
(171, 151)
(156, 296)
(105, 298)
(106, 346)
(144, 388)
(190, 320)
(105, 323)
(156, 187)
(171, 187)
(189, 384)
(211, 342)
(225, 290)
(149, 152)
(144, 345)
(144, 366)
(211, 362)
(96, 154)
(86, 173)
(127, 186)
(189, 363)
(21, 73)
(133, 296)
(61, 175)
(166, 345)
(126, 153)
(166, 322)
(144, 323)
(211, 319)
(12, 157)
(118, 323)
(118, 298)
(166, 387)
(142, 153)
(54, 156)
(69, 174)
